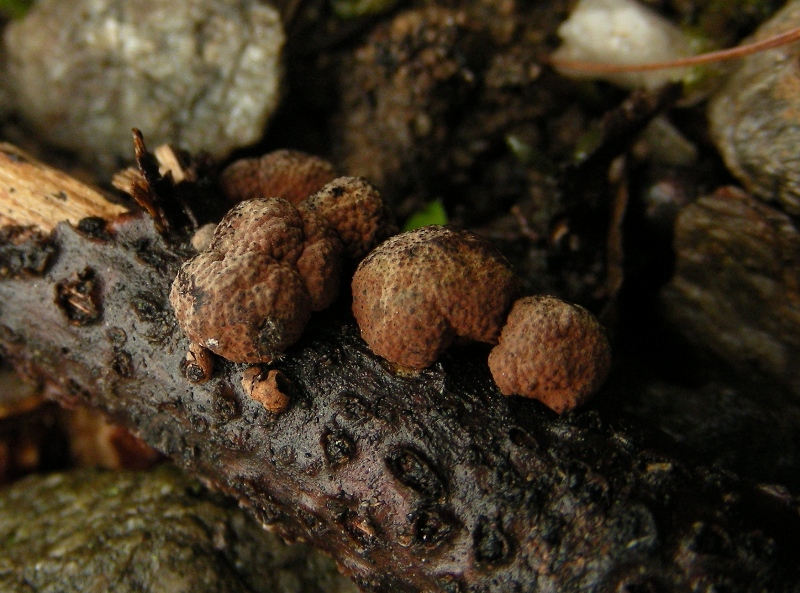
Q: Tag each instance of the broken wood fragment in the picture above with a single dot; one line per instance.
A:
(34, 194)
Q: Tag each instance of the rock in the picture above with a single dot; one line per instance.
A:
(622, 32)
(736, 288)
(203, 74)
(144, 532)
(755, 117)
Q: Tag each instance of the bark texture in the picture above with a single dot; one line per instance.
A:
(431, 482)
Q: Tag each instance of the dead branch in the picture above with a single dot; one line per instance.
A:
(431, 482)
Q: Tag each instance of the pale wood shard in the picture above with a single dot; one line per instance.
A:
(35, 194)
(126, 179)
(169, 162)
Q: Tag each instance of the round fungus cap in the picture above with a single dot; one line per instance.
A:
(251, 293)
(551, 351)
(355, 210)
(271, 226)
(288, 174)
(418, 291)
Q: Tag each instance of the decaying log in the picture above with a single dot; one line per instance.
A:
(430, 482)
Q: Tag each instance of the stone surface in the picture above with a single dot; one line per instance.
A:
(204, 75)
(755, 117)
(144, 532)
(736, 288)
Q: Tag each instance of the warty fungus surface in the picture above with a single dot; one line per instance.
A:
(552, 351)
(251, 293)
(418, 291)
(288, 174)
(355, 209)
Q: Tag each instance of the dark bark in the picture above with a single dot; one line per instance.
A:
(412, 483)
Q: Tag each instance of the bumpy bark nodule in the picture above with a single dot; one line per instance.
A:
(412, 483)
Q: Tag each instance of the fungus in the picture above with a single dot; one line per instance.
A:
(355, 210)
(288, 174)
(270, 391)
(418, 291)
(251, 293)
(199, 365)
(551, 351)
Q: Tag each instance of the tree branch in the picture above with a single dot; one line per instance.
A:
(430, 482)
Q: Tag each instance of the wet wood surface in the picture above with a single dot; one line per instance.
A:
(424, 482)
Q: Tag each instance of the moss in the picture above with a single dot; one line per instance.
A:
(350, 9)
(144, 532)
(14, 9)
(431, 213)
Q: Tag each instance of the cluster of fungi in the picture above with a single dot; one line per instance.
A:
(278, 254)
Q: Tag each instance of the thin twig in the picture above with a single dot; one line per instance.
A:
(706, 58)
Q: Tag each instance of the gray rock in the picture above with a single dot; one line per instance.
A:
(88, 531)
(755, 117)
(203, 74)
(736, 288)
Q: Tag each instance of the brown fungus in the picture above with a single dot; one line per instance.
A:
(320, 262)
(551, 351)
(251, 293)
(355, 210)
(418, 291)
(199, 364)
(288, 174)
(270, 389)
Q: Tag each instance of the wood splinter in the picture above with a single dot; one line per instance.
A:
(34, 194)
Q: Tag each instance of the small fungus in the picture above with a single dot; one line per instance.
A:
(418, 291)
(199, 364)
(288, 174)
(251, 293)
(552, 351)
(270, 391)
(355, 210)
